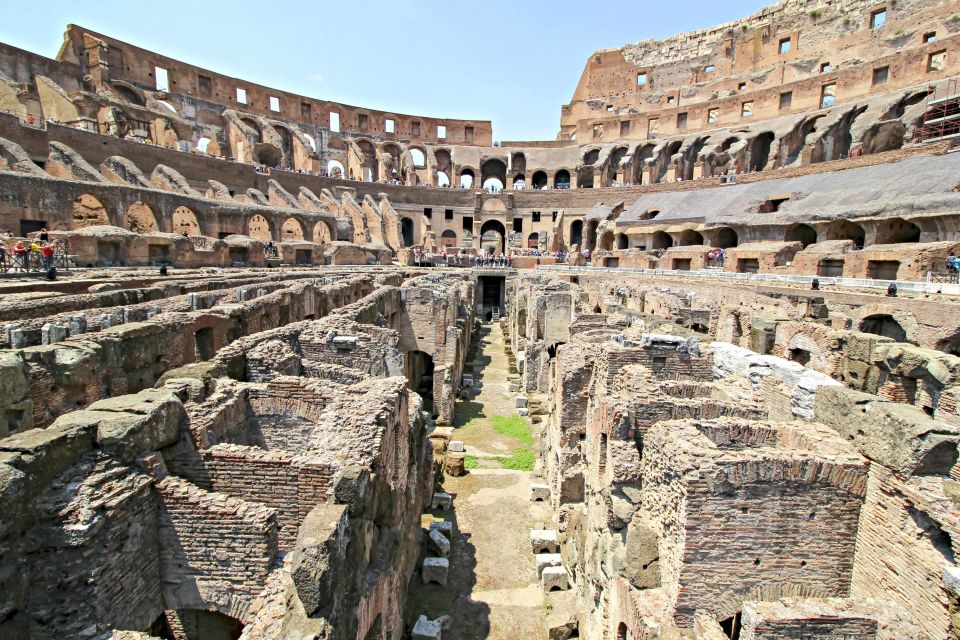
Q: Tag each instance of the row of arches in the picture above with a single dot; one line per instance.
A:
(890, 231)
(140, 218)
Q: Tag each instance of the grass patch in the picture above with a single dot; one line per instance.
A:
(470, 462)
(521, 459)
(513, 427)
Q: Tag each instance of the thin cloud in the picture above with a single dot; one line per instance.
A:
(316, 77)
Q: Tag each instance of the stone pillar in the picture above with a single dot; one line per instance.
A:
(52, 333)
(698, 170)
(78, 325)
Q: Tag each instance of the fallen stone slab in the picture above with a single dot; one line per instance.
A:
(435, 570)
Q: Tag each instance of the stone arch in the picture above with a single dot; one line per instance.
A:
(88, 212)
(518, 162)
(641, 154)
(406, 231)
(335, 169)
(622, 241)
(268, 154)
(368, 161)
(802, 233)
(760, 150)
(882, 324)
(129, 94)
(488, 230)
(726, 238)
(561, 179)
(493, 169)
(689, 237)
(185, 221)
(419, 157)
(467, 178)
(141, 219)
(443, 180)
(258, 228)
(533, 240)
(321, 233)
(286, 145)
(846, 230)
(661, 240)
(576, 232)
(449, 238)
(292, 229)
(390, 154)
(539, 180)
(896, 230)
(613, 163)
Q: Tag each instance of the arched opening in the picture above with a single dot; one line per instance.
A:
(269, 155)
(846, 230)
(140, 218)
(689, 237)
(258, 228)
(533, 240)
(731, 626)
(897, 230)
(203, 144)
(640, 155)
(448, 238)
(209, 625)
(519, 181)
(88, 212)
(321, 233)
(291, 230)
(622, 241)
(726, 238)
(518, 162)
(129, 94)
(605, 243)
(561, 180)
(493, 185)
(185, 222)
(418, 157)
(661, 240)
(492, 235)
(406, 231)
(466, 179)
(368, 161)
(335, 169)
(443, 180)
(419, 374)
(883, 325)
(950, 345)
(493, 169)
(622, 632)
(540, 180)
(585, 172)
(760, 151)
(286, 145)
(311, 141)
(576, 232)
(802, 233)
(390, 157)
(613, 163)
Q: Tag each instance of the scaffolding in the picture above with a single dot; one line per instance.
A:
(941, 120)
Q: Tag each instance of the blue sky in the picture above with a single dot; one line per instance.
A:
(513, 62)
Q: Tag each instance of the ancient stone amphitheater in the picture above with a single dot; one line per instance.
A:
(303, 370)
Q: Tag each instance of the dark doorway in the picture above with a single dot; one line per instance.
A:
(883, 325)
(419, 372)
(29, 227)
(204, 342)
(491, 295)
(406, 230)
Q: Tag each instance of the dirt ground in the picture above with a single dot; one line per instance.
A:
(492, 590)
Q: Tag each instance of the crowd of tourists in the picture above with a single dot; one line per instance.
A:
(34, 255)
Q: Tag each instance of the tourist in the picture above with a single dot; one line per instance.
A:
(42, 235)
(3, 259)
(35, 253)
(21, 258)
(46, 255)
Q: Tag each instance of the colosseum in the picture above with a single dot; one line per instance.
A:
(274, 367)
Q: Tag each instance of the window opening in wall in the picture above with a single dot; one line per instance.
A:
(603, 454)
(162, 79)
(642, 79)
(203, 339)
(274, 103)
(828, 96)
(659, 364)
(786, 100)
(825, 67)
(772, 204)
(742, 86)
(625, 128)
(467, 223)
(801, 356)
(712, 116)
(362, 121)
(204, 85)
(746, 110)
(441, 132)
(785, 46)
(334, 122)
(936, 61)
(731, 627)
(681, 121)
(415, 128)
(305, 110)
(427, 212)
(609, 108)
(536, 216)
(448, 214)
(553, 216)
(650, 215)
(597, 131)
(709, 68)
(468, 134)
(653, 128)
(880, 75)
(930, 37)
(389, 125)
(241, 95)
(878, 18)
(518, 224)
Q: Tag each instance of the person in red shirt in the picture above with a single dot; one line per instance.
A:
(20, 256)
(46, 255)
